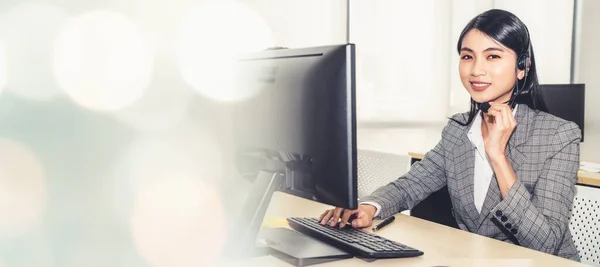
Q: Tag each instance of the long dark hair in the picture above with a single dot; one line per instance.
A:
(507, 29)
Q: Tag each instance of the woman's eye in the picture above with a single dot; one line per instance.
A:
(466, 57)
(493, 56)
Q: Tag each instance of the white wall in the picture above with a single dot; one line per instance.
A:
(586, 71)
(303, 23)
(402, 59)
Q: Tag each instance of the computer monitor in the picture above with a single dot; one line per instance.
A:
(566, 101)
(297, 132)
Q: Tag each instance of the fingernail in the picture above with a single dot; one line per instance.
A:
(342, 225)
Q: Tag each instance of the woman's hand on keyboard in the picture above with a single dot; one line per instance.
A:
(363, 216)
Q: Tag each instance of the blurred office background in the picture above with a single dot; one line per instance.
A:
(114, 144)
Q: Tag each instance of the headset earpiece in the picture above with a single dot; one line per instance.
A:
(523, 63)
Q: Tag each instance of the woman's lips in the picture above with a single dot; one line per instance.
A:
(480, 86)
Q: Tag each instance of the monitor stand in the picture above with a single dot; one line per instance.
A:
(288, 245)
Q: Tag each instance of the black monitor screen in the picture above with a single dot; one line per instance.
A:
(300, 122)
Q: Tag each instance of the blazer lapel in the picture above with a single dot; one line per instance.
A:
(523, 117)
(464, 166)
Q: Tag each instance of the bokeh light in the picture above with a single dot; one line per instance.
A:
(3, 71)
(22, 189)
(146, 13)
(178, 221)
(163, 106)
(31, 249)
(28, 31)
(212, 37)
(166, 191)
(103, 61)
(189, 151)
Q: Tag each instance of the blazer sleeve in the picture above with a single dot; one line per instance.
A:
(424, 177)
(539, 220)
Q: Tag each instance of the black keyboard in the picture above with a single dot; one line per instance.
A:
(357, 242)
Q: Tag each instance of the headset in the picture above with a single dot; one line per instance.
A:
(523, 63)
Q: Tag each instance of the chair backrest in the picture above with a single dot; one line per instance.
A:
(585, 224)
(376, 169)
(566, 101)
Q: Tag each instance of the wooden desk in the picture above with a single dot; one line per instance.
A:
(442, 245)
(585, 178)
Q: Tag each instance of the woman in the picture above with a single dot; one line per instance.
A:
(510, 172)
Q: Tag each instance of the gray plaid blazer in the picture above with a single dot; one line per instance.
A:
(544, 153)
